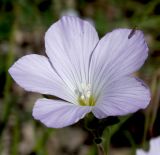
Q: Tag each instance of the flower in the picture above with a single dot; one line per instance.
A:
(88, 74)
(154, 148)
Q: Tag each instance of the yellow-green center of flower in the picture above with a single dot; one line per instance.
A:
(85, 97)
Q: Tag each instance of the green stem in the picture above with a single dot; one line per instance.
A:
(146, 125)
(132, 142)
(101, 150)
(108, 138)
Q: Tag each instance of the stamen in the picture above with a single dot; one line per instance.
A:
(85, 97)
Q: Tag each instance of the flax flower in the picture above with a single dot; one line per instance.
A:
(88, 74)
(154, 148)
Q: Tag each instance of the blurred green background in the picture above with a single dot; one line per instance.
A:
(22, 27)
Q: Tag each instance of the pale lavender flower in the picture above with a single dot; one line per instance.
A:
(88, 74)
(154, 148)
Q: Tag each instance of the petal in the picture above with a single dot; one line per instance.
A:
(121, 97)
(58, 114)
(69, 44)
(141, 152)
(116, 56)
(35, 73)
(154, 145)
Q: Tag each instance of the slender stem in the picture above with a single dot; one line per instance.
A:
(101, 150)
(107, 140)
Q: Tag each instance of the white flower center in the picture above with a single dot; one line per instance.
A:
(84, 95)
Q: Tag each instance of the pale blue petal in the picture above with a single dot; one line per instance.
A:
(58, 114)
(142, 152)
(121, 97)
(154, 148)
(116, 56)
(69, 44)
(35, 73)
